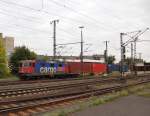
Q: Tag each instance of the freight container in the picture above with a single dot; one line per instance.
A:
(116, 67)
(87, 67)
(98, 68)
(77, 67)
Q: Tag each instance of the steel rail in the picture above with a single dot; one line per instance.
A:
(68, 97)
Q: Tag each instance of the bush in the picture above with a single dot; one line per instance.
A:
(62, 113)
(20, 53)
(4, 70)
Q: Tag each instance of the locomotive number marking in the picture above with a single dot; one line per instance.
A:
(47, 70)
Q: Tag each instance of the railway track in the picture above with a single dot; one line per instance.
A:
(36, 90)
(36, 84)
(21, 82)
(11, 92)
(17, 106)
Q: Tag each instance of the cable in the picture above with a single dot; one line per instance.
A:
(10, 11)
(66, 32)
(23, 18)
(31, 20)
(21, 25)
(39, 10)
(26, 19)
(19, 5)
(87, 16)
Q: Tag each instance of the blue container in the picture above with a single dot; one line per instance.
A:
(113, 67)
(116, 67)
(125, 68)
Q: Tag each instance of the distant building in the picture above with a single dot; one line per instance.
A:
(8, 43)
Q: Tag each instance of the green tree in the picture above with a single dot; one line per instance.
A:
(20, 53)
(111, 59)
(3, 60)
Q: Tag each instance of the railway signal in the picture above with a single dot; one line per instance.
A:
(124, 51)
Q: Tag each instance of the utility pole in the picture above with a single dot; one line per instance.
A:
(81, 55)
(135, 58)
(106, 54)
(122, 59)
(131, 53)
(54, 37)
(131, 66)
(135, 49)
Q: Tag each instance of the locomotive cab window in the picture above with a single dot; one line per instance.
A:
(26, 64)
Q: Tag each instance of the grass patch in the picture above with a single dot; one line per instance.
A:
(115, 74)
(144, 94)
(9, 77)
(95, 101)
(109, 97)
(63, 113)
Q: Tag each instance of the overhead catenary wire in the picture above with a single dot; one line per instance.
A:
(22, 27)
(11, 11)
(82, 14)
(44, 12)
(26, 19)
(33, 28)
(38, 10)
(108, 13)
(19, 5)
(101, 25)
(8, 13)
(15, 28)
(30, 20)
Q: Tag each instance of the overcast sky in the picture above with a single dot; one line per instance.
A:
(28, 21)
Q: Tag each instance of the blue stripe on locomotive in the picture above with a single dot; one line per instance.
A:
(47, 67)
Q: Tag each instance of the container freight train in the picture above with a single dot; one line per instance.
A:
(38, 69)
